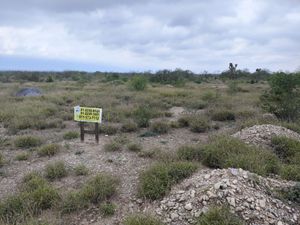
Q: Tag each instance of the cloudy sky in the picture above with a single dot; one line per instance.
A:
(140, 35)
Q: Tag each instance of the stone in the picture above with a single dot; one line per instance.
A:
(174, 216)
(188, 206)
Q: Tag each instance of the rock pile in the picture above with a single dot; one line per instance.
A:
(262, 134)
(28, 92)
(247, 194)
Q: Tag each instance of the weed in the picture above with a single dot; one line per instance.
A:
(27, 141)
(158, 179)
(189, 153)
(71, 135)
(113, 146)
(1, 160)
(286, 148)
(107, 129)
(81, 170)
(290, 172)
(223, 115)
(129, 126)
(21, 156)
(48, 150)
(292, 193)
(199, 124)
(160, 127)
(56, 170)
(133, 147)
(107, 209)
(142, 220)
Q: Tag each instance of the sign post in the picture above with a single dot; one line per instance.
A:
(88, 115)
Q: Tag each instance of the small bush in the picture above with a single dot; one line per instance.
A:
(286, 148)
(160, 127)
(290, 172)
(81, 170)
(292, 193)
(21, 156)
(99, 188)
(27, 142)
(224, 152)
(48, 150)
(138, 83)
(107, 129)
(129, 126)
(199, 124)
(189, 153)
(73, 202)
(197, 104)
(158, 179)
(107, 209)
(219, 216)
(142, 116)
(113, 146)
(223, 115)
(1, 160)
(71, 135)
(184, 121)
(55, 170)
(142, 220)
(133, 147)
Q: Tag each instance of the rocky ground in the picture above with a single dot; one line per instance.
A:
(262, 134)
(247, 194)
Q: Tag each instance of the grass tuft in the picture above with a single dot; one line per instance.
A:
(48, 150)
(56, 170)
(27, 141)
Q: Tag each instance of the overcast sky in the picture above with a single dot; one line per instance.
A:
(140, 35)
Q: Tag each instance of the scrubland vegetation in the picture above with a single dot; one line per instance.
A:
(139, 120)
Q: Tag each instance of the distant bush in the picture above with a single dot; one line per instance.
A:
(138, 83)
(223, 115)
(283, 98)
(219, 216)
(133, 147)
(1, 160)
(286, 148)
(108, 129)
(48, 150)
(27, 141)
(199, 124)
(56, 170)
(107, 209)
(21, 156)
(160, 127)
(71, 135)
(81, 170)
(142, 220)
(142, 116)
(190, 153)
(292, 193)
(225, 152)
(129, 126)
(157, 180)
(290, 172)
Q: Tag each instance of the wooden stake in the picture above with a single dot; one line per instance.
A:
(82, 131)
(97, 132)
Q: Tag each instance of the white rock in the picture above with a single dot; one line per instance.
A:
(188, 206)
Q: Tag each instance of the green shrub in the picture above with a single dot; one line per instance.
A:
(142, 116)
(107, 129)
(292, 193)
(27, 141)
(197, 104)
(286, 148)
(189, 153)
(20, 157)
(142, 220)
(223, 115)
(56, 170)
(160, 127)
(73, 202)
(113, 146)
(283, 98)
(133, 147)
(48, 150)
(129, 126)
(224, 152)
(158, 179)
(71, 135)
(199, 124)
(99, 188)
(107, 209)
(290, 172)
(184, 121)
(219, 216)
(81, 170)
(138, 83)
(1, 160)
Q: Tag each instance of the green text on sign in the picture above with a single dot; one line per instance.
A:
(87, 114)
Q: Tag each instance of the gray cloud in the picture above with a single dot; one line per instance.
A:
(142, 35)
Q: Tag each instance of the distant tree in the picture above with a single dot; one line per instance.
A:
(232, 70)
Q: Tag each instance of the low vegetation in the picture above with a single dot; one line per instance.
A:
(56, 170)
(134, 147)
(107, 209)
(81, 170)
(160, 127)
(142, 219)
(27, 141)
(48, 150)
(1, 160)
(189, 153)
(71, 135)
(158, 179)
(223, 115)
(22, 156)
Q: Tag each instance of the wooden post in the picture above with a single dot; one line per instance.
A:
(82, 131)
(97, 132)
